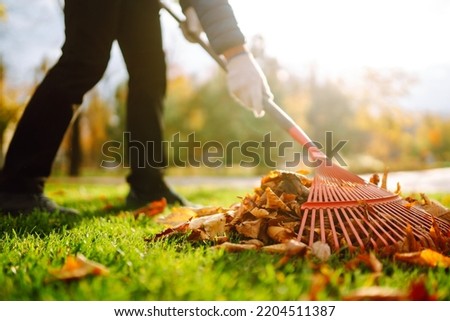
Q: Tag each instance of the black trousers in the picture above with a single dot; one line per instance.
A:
(91, 28)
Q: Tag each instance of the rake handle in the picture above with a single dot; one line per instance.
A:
(294, 130)
(274, 111)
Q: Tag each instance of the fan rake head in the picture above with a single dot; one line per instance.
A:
(343, 210)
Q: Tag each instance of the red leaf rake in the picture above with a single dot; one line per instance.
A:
(342, 208)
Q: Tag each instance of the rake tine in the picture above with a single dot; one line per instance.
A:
(333, 229)
(312, 228)
(302, 225)
(322, 226)
(344, 230)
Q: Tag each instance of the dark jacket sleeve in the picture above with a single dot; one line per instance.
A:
(218, 21)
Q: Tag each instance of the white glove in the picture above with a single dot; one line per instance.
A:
(247, 83)
(191, 26)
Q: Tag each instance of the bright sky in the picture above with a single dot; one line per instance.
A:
(349, 34)
(340, 37)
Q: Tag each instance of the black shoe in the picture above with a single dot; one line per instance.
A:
(14, 203)
(136, 200)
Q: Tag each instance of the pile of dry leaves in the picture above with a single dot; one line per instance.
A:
(268, 219)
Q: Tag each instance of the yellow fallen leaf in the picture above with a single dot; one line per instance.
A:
(177, 216)
(77, 267)
(425, 257)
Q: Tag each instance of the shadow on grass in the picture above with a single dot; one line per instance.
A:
(43, 223)
(39, 223)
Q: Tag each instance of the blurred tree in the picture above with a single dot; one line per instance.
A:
(94, 127)
(117, 120)
(3, 15)
(388, 132)
(330, 110)
(435, 142)
(9, 108)
(82, 146)
(74, 151)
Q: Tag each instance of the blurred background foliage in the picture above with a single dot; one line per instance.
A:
(379, 133)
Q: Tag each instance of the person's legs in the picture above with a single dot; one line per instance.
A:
(140, 40)
(90, 31)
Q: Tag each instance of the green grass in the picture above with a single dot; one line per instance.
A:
(32, 245)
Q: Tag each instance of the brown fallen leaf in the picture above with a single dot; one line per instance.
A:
(151, 209)
(384, 179)
(287, 182)
(279, 248)
(179, 229)
(197, 235)
(234, 247)
(208, 210)
(320, 280)
(290, 248)
(374, 264)
(255, 242)
(410, 243)
(432, 206)
(274, 202)
(280, 234)
(376, 293)
(440, 241)
(370, 260)
(296, 248)
(419, 292)
(250, 228)
(425, 257)
(398, 190)
(77, 267)
(260, 212)
(213, 225)
(375, 179)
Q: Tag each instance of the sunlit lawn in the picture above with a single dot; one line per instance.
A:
(33, 245)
